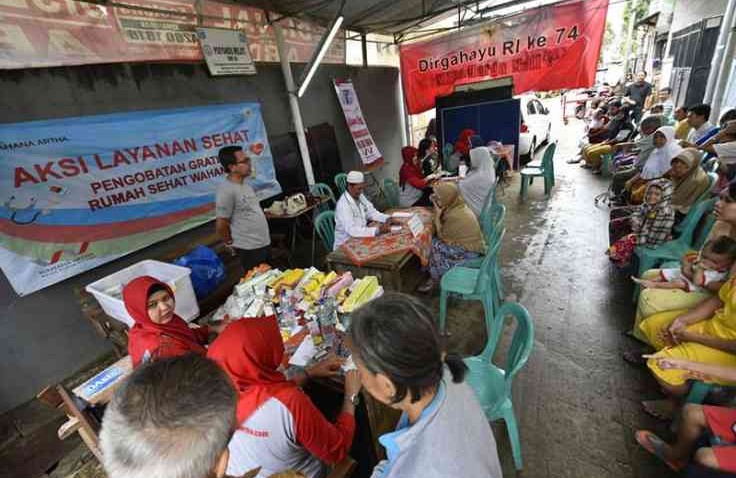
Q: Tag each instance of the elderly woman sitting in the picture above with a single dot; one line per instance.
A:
(480, 179)
(458, 234)
(442, 430)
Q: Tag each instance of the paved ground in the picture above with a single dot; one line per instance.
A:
(576, 401)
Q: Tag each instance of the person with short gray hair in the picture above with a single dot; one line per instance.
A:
(172, 418)
(442, 431)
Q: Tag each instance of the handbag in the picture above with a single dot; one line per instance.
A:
(296, 204)
(277, 208)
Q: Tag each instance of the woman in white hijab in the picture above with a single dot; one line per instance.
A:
(480, 179)
(658, 163)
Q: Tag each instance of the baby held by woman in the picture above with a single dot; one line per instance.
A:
(711, 265)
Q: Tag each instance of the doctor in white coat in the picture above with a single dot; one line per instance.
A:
(354, 211)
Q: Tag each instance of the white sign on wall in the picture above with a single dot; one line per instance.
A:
(226, 51)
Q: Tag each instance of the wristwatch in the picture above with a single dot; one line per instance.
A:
(354, 399)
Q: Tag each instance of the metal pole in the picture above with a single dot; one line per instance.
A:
(296, 114)
(629, 37)
(364, 48)
(721, 46)
(724, 71)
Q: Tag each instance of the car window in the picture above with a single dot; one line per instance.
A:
(539, 107)
(530, 108)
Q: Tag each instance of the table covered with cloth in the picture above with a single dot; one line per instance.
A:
(362, 250)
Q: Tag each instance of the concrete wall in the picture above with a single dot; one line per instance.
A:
(43, 337)
(687, 12)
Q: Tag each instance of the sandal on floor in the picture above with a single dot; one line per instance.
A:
(655, 445)
(634, 358)
(660, 409)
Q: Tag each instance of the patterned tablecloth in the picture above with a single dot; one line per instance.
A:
(361, 250)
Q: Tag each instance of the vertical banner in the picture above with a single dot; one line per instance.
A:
(369, 153)
(80, 192)
(545, 48)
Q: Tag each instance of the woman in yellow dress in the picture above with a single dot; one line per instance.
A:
(706, 334)
(654, 301)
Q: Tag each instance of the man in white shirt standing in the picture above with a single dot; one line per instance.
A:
(354, 211)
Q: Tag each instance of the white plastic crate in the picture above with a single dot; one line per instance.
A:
(176, 277)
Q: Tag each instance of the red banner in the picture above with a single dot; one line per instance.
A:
(546, 48)
(42, 33)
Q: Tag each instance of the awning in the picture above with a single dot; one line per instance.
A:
(382, 16)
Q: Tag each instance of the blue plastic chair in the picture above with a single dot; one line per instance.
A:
(325, 227)
(492, 384)
(391, 192)
(545, 171)
(323, 190)
(472, 284)
(341, 181)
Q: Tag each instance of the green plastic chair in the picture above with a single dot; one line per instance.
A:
(391, 192)
(713, 178)
(472, 284)
(325, 227)
(545, 170)
(606, 165)
(492, 384)
(491, 221)
(650, 257)
(323, 190)
(537, 163)
(341, 181)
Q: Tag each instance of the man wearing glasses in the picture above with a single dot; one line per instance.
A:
(241, 224)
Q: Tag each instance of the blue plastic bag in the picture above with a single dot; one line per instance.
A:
(208, 270)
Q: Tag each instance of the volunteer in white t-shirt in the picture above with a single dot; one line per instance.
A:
(354, 211)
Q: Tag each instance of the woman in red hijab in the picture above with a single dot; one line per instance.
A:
(413, 187)
(462, 145)
(280, 428)
(158, 332)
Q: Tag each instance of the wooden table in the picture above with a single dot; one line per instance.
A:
(294, 218)
(400, 272)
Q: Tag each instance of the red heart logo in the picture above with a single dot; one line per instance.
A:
(256, 148)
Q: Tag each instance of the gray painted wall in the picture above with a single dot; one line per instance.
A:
(687, 12)
(43, 337)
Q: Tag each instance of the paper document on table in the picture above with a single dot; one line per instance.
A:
(401, 214)
(304, 353)
(416, 225)
(349, 364)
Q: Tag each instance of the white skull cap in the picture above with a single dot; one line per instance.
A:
(355, 177)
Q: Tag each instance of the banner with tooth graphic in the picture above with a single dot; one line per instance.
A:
(80, 192)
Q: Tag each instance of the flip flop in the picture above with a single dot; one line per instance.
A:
(659, 409)
(634, 358)
(655, 445)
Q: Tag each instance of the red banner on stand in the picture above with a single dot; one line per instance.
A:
(545, 48)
